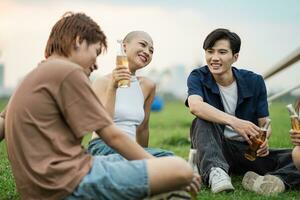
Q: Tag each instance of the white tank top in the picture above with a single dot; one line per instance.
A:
(129, 108)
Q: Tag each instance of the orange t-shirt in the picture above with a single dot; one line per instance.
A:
(45, 121)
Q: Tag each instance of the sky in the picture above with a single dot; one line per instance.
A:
(269, 30)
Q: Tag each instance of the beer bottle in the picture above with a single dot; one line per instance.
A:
(251, 152)
(295, 122)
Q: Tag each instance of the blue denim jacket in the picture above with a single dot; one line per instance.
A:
(252, 94)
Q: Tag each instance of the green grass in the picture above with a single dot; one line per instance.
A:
(169, 130)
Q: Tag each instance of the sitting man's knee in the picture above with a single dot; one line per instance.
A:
(201, 123)
(198, 125)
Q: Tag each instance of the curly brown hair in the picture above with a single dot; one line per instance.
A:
(63, 34)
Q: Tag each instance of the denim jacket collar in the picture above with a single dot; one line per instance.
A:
(243, 90)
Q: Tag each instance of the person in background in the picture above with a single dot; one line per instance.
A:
(129, 107)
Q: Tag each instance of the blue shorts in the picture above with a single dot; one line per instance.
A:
(113, 177)
(98, 147)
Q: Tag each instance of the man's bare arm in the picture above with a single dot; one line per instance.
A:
(203, 110)
(125, 146)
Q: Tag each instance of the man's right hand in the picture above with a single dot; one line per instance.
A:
(245, 128)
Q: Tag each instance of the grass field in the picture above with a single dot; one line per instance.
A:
(169, 130)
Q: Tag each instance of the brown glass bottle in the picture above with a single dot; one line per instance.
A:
(295, 122)
(251, 152)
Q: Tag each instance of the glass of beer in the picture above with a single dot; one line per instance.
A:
(122, 60)
(193, 164)
(251, 152)
(192, 160)
(295, 122)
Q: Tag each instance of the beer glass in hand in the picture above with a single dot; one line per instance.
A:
(251, 152)
(122, 60)
(295, 121)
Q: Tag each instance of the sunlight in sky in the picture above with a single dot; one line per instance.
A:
(269, 31)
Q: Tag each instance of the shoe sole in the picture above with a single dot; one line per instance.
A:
(249, 180)
(268, 185)
(227, 188)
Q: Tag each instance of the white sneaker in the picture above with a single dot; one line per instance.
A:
(219, 180)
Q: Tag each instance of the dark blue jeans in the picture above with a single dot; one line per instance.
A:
(214, 150)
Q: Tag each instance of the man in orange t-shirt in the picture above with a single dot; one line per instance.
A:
(54, 108)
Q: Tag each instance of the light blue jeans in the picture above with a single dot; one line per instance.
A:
(113, 177)
(98, 147)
